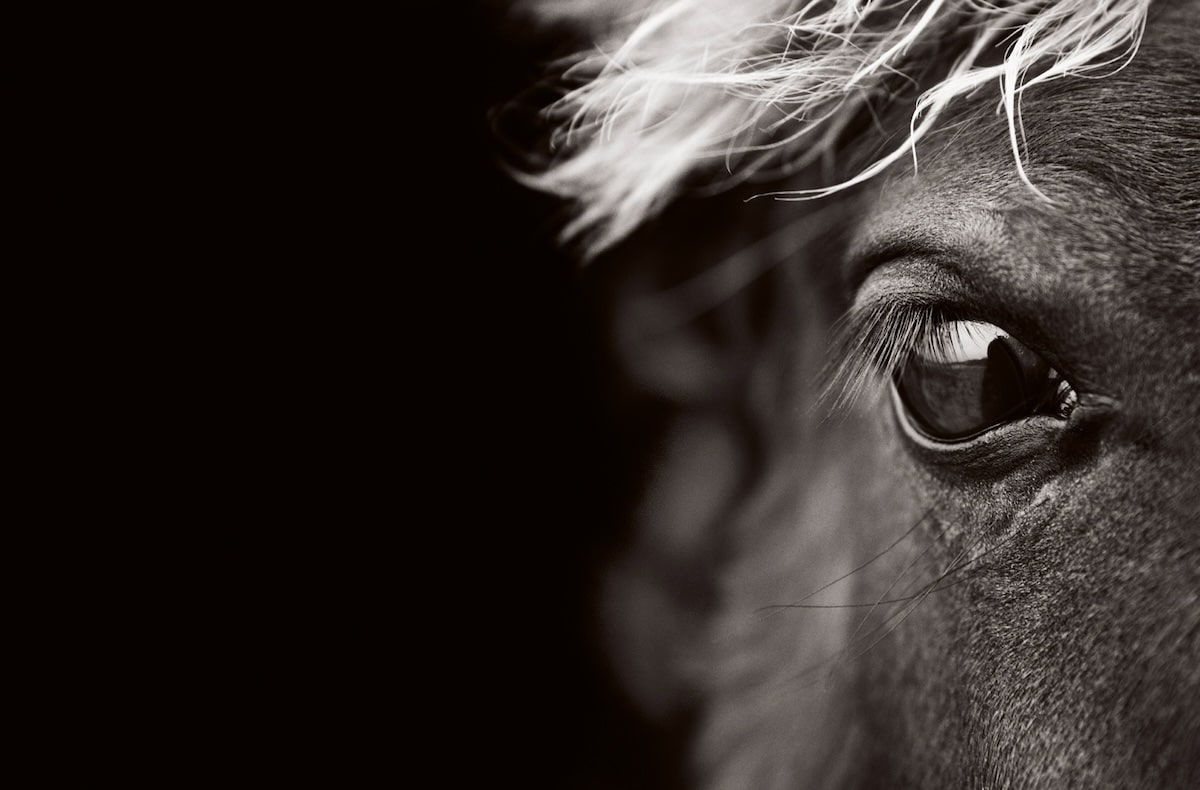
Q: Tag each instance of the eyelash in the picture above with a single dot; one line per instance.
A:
(871, 345)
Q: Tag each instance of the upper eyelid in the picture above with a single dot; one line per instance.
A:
(966, 241)
(866, 260)
(934, 282)
(918, 281)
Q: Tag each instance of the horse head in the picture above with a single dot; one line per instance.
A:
(920, 282)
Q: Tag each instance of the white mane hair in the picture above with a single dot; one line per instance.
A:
(735, 88)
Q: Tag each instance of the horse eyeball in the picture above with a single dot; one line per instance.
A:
(970, 376)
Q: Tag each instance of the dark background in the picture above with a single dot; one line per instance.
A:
(548, 456)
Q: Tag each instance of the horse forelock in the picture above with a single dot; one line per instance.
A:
(699, 91)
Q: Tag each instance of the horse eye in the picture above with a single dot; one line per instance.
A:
(972, 376)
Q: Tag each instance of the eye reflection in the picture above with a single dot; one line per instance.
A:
(972, 376)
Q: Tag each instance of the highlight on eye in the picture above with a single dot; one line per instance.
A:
(955, 378)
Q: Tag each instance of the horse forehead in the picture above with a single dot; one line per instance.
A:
(1133, 133)
(1118, 156)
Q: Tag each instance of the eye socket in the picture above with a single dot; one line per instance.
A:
(971, 376)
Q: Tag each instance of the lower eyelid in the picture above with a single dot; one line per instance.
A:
(978, 442)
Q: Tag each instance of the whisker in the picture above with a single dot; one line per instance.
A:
(904, 613)
(903, 573)
(852, 571)
(862, 605)
(894, 619)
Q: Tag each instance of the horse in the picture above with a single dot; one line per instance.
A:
(913, 288)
